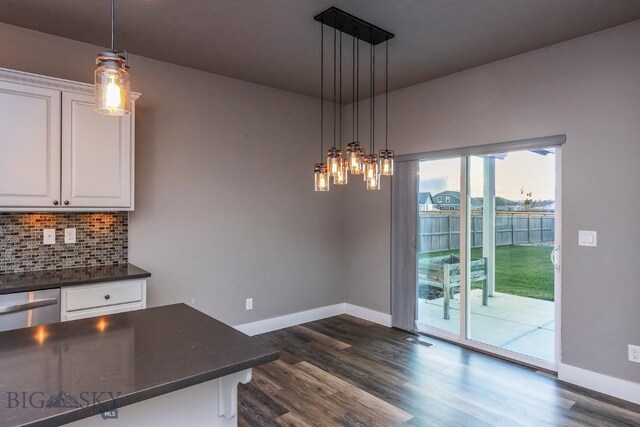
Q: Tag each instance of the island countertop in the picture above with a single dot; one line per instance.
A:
(28, 281)
(55, 374)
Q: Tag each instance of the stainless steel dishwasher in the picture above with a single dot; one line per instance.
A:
(24, 309)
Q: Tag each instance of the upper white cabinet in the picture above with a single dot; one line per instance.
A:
(96, 155)
(29, 145)
(57, 153)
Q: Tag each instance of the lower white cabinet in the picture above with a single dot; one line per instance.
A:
(99, 299)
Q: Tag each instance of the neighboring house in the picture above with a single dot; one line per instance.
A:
(425, 202)
(450, 201)
(503, 204)
(447, 201)
(544, 205)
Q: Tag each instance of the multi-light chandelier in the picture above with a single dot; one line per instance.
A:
(357, 162)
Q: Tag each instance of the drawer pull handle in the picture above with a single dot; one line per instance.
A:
(107, 296)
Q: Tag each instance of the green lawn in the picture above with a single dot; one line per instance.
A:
(520, 270)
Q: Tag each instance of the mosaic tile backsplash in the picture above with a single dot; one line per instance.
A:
(101, 239)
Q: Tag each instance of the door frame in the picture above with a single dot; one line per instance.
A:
(461, 338)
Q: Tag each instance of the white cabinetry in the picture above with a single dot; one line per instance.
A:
(57, 153)
(99, 299)
(96, 155)
(29, 145)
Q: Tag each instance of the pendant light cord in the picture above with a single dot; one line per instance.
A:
(353, 89)
(335, 95)
(357, 89)
(340, 94)
(321, 91)
(372, 103)
(113, 14)
(386, 97)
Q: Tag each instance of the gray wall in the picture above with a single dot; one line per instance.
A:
(586, 88)
(225, 207)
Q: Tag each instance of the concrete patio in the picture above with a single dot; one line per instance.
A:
(515, 323)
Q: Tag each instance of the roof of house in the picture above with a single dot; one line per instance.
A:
(475, 201)
(425, 198)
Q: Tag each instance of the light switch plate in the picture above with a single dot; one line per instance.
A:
(49, 236)
(587, 238)
(249, 304)
(69, 235)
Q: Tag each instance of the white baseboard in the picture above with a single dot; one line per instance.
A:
(288, 320)
(368, 314)
(616, 387)
(293, 319)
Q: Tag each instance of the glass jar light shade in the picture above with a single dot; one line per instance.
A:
(354, 158)
(321, 177)
(371, 172)
(112, 84)
(342, 177)
(370, 166)
(386, 162)
(334, 160)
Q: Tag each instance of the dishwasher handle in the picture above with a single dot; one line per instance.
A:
(28, 305)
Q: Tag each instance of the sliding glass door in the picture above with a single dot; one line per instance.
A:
(438, 245)
(486, 236)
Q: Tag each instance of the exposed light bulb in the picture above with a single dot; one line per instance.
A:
(113, 94)
(321, 177)
(112, 84)
(334, 160)
(354, 157)
(386, 162)
(342, 177)
(371, 172)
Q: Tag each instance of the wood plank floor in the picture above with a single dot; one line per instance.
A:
(345, 371)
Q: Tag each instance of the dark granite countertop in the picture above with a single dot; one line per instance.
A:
(135, 355)
(45, 279)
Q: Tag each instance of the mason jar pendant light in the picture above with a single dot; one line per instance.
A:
(386, 155)
(334, 155)
(341, 177)
(370, 166)
(112, 79)
(355, 154)
(320, 170)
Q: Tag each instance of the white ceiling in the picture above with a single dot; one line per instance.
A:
(276, 42)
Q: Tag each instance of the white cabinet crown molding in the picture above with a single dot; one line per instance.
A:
(50, 82)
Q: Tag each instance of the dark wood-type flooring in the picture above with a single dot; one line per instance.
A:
(345, 371)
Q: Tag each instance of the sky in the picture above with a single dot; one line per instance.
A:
(519, 169)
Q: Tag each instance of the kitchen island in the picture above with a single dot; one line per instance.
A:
(163, 366)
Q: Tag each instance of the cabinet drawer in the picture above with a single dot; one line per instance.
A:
(102, 311)
(92, 296)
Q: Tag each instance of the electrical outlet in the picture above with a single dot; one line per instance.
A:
(49, 236)
(249, 304)
(69, 235)
(634, 353)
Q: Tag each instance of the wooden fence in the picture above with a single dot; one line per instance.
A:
(440, 231)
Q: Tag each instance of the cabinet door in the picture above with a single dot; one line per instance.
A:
(96, 155)
(29, 146)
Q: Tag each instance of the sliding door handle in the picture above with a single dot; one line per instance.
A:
(554, 258)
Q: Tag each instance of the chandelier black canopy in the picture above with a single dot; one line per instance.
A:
(357, 162)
